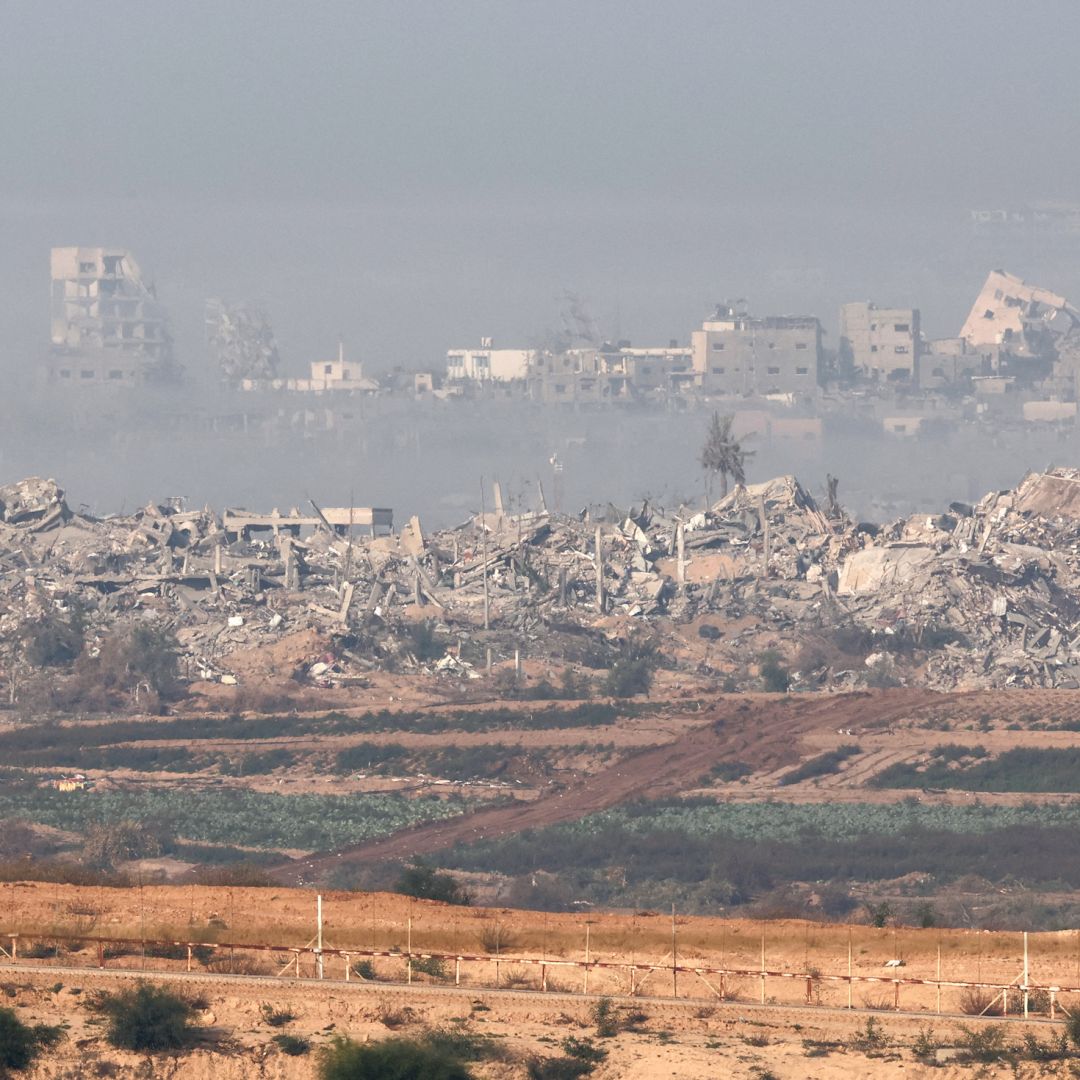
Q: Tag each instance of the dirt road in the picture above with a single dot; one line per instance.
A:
(762, 733)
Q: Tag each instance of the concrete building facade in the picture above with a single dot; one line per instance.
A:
(881, 343)
(106, 322)
(736, 354)
(487, 364)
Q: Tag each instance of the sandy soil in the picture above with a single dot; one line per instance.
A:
(688, 1037)
(685, 1043)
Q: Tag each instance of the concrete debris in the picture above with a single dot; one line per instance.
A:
(35, 503)
(978, 596)
(241, 342)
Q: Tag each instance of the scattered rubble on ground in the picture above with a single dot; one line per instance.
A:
(977, 596)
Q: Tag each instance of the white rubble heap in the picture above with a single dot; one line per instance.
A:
(981, 596)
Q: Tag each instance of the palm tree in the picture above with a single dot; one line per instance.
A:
(723, 454)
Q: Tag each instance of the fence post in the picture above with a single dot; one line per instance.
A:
(850, 981)
(189, 958)
(939, 977)
(1026, 972)
(457, 971)
(763, 965)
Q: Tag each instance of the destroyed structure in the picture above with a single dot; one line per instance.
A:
(107, 324)
(241, 342)
(976, 596)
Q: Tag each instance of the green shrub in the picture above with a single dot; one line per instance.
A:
(584, 1049)
(392, 1059)
(431, 966)
(822, 765)
(879, 914)
(1072, 1027)
(146, 1018)
(632, 670)
(275, 1017)
(426, 883)
(20, 1044)
(563, 1068)
(728, 771)
(293, 1045)
(365, 969)
(55, 639)
(774, 676)
(1034, 769)
(985, 1044)
(605, 1018)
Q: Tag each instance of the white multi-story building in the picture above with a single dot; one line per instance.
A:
(487, 364)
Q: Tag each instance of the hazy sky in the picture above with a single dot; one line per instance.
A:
(414, 175)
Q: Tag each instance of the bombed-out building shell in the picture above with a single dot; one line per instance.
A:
(106, 322)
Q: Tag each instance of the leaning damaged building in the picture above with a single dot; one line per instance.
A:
(979, 595)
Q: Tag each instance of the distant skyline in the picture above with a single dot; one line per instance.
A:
(412, 176)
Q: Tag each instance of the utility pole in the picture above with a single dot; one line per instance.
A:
(483, 554)
(599, 573)
(674, 957)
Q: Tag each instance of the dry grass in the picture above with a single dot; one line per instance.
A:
(976, 1001)
(238, 964)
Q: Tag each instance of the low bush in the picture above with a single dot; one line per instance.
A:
(496, 938)
(426, 883)
(392, 1059)
(275, 1017)
(985, 1045)
(561, 1068)
(633, 668)
(978, 1001)
(293, 1045)
(822, 765)
(146, 1018)
(21, 1044)
(1047, 769)
(774, 676)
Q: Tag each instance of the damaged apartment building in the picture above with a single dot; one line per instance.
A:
(880, 343)
(1024, 335)
(739, 355)
(107, 324)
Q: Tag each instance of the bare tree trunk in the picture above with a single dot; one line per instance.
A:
(723, 483)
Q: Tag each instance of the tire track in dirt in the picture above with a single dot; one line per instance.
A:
(764, 734)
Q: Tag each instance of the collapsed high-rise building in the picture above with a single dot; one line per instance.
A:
(107, 323)
(241, 342)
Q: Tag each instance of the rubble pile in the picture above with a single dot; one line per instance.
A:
(241, 341)
(982, 595)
